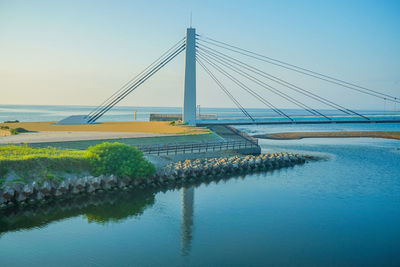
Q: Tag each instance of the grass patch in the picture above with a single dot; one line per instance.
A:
(25, 152)
(161, 140)
(46, 164)
(28, 162)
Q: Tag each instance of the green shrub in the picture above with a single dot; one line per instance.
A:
(4, 127)
(18, 130)
(172, 123)
(119, 159)
(14, 121)
(21, 130)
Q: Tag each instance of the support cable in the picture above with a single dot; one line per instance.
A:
(301, 70)
(222, 87)
(270, 88)
(247, 89)
(136, 84)
(289, 85)
(180, 42)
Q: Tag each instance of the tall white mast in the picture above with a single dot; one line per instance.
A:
(189, 100)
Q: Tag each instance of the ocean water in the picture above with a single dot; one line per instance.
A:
(124, 113)
(343, 210)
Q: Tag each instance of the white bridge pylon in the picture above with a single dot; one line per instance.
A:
(189, 95)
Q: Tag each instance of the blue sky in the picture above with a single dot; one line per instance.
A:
(80, 52)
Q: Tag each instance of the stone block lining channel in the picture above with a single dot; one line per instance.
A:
(179, 172)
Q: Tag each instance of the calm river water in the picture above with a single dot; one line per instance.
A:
(344, 210)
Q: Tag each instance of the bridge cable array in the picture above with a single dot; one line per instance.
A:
(223, 88)
(227, 63)
(224, 63)
(135, 82)
(298, 69)
(277, 80)
(246, 88)
(267, 87)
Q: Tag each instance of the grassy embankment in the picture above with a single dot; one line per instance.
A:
(159, 140)
(26, 163)
(29, 163)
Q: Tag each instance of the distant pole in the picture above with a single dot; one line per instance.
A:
(189, 100)
(135, 114)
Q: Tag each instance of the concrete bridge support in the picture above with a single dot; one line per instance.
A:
(189, 99)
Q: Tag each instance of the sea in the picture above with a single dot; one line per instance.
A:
(343, 210)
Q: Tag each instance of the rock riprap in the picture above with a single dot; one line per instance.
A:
(188, 170)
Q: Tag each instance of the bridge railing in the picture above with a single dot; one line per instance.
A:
(173, 149)
(243, 134)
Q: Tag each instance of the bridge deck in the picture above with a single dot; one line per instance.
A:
(302, 120)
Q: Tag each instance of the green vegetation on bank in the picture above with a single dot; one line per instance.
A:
(119, 159)
(28, 163)
(18, 130)
(14, 131)
(159, 140)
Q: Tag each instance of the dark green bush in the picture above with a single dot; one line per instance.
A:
(14, 121)
(119, 159)
(18, 130)
(21, 130)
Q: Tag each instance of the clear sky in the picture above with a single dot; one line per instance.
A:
(80, 52)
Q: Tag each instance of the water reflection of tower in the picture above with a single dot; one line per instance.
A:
(187, 219)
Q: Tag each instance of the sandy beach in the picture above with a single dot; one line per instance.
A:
(161, 127)
(40, 132)
(340, 134)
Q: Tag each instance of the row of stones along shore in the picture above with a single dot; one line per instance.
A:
(187, 170)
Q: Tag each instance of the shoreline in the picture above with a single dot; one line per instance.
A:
(32, 193)
(332, 134)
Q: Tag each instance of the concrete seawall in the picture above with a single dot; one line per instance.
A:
(179, 172)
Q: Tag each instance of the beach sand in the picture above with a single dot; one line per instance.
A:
(162, 127)
(49, 132)
(340, 134)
